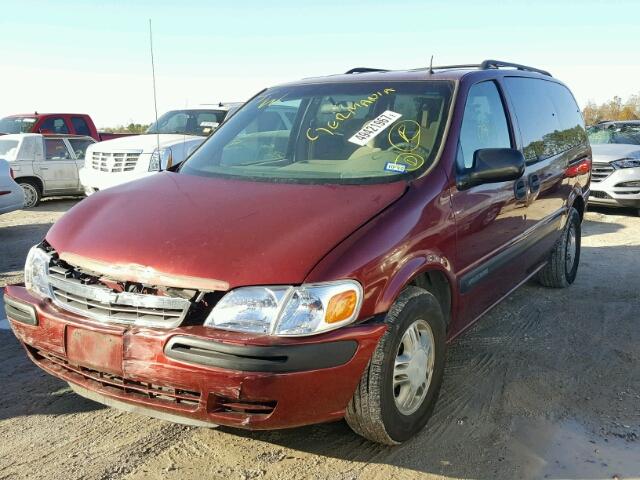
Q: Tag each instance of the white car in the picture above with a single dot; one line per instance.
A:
(167, 142)
(45, 165)
(615, 177)
(11, 196)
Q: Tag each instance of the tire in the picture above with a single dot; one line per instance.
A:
(562, 267)
(374, 410)
(32, 193)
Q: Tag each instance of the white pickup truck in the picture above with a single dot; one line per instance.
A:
(167, 142)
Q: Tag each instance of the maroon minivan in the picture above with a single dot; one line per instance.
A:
(313, 258)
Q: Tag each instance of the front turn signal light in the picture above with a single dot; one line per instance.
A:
(341, 306)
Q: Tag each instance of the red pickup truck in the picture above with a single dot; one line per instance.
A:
(60, 123)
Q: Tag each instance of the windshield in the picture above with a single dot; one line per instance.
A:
(627, 133)
(331, 132)
(8, 149)
(188, 122)
(16, 124)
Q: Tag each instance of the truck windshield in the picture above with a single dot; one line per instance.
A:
(16, 124)
(360, 132)
(188, 122)
(626, 133)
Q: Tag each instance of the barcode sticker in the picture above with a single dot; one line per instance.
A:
(373, 128)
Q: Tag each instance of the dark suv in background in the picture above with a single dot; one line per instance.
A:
(309, 270)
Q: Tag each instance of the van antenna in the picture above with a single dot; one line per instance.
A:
(431, 65)
(155, 99)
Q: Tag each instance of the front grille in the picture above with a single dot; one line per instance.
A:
(189, 400)
(600, 171)
(114, 162)
(101, 303)
(597, 194)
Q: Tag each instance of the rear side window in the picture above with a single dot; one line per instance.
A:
(55, 149)
(484, 124)
(79, 146)
(54, 125)
(549, 118)
(80, 126)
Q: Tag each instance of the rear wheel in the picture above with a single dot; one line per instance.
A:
(399, 388)
(562, 268)
(32, 193)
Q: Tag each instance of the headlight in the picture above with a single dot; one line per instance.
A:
(288, 311)
(626, 163)
(161, 159)
(36, 272)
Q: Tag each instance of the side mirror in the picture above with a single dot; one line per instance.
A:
(493, 165)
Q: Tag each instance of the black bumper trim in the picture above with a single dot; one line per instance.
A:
(20, 312)
(253, 358)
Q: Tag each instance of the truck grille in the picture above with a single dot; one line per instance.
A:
(100, 303)
(600, 171)
(114, 162)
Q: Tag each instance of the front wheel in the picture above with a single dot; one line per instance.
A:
(398, 390)
(562, 267)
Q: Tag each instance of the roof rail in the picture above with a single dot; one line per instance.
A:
(488, 64)
(365, 70)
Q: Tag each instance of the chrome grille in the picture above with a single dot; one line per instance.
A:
(99, 302)
(600, 171)
(114, 162)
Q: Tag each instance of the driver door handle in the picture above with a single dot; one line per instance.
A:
(520, 189)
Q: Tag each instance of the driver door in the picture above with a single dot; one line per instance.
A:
(489, 217)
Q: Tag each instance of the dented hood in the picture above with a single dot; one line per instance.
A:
(214, 232)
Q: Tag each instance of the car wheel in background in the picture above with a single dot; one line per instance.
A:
(562, 268)
(32, 193)
(398, 390)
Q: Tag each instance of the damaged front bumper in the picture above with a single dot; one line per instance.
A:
(193, 374)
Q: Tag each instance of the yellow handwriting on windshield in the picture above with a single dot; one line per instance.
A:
(349, 111)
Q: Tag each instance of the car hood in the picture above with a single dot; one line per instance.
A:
(608, 152)
(231, 232)
(143, 143)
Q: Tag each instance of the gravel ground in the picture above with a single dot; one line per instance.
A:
(547, 385)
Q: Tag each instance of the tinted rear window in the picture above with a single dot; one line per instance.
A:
(549, 118)
(80, 126)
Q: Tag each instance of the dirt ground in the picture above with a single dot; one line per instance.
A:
(547, 385)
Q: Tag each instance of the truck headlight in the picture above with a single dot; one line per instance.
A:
(626, 163)
(288, 311)
(161, 159)
(36, 272)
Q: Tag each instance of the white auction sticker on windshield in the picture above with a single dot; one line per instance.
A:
(373, 128)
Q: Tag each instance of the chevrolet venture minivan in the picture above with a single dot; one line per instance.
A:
(299, 272)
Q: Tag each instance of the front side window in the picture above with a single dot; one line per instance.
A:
(17, 124)
(55, 149)
(80, 126)
(79, 146)
(484, 124)
(330, 133)
(54, 125)
(188, 122)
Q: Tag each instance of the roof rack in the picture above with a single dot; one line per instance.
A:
(365, 70)
(485, 65)
(488, 64)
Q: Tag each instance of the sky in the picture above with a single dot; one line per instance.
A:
(92, 56)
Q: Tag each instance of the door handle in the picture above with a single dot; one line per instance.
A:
(44, 168)
(534, 183)
(520, 189)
